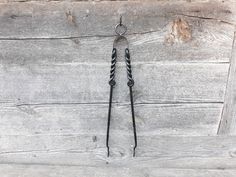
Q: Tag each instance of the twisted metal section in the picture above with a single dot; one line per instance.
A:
(112, 81)
(130, 82)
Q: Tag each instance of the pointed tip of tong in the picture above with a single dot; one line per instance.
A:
(134, 151)
(108, 152)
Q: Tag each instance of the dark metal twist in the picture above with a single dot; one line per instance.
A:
(113, 67)
(130, 82)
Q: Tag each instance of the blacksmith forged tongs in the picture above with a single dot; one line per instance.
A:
(120, 30)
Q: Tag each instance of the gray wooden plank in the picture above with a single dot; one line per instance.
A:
(228, 120)
(63, 19)
(153, 151)
(167, 119)
(88, 83)
(211, 42)
(71, 171)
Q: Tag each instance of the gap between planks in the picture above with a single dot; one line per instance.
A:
(27, 170)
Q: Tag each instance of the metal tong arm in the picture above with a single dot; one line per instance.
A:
(130, 84)
(112, 83)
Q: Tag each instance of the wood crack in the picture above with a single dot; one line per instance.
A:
(44, 151)
(118, 103)
(208, 18)
(77, 37)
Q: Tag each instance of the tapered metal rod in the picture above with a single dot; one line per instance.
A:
(108, 121)
(133, 119)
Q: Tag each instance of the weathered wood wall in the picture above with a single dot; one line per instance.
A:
(54, 70)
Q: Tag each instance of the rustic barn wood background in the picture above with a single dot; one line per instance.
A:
(54, 71)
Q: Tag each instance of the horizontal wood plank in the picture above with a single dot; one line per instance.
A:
(62, 19)
(10, 170)
(210, 43)
(167, 119)
(153, 151)
(86, 83)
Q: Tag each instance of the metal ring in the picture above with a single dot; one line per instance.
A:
(122, 29)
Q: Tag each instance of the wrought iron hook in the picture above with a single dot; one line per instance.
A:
(120, 28)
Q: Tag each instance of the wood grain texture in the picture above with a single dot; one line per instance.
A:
(54, 71)
(151, 119)
(66, 19)
(86, 83)
(153, 151)
(55, 171)
(228, 121)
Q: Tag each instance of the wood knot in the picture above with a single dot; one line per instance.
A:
(71, 18)
(232, 153)
(94, 138)
(180, 31)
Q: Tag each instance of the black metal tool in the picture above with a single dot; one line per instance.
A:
(120, 30)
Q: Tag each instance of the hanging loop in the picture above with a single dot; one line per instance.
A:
(120, 28)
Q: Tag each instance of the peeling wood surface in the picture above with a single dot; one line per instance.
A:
(54, 71)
